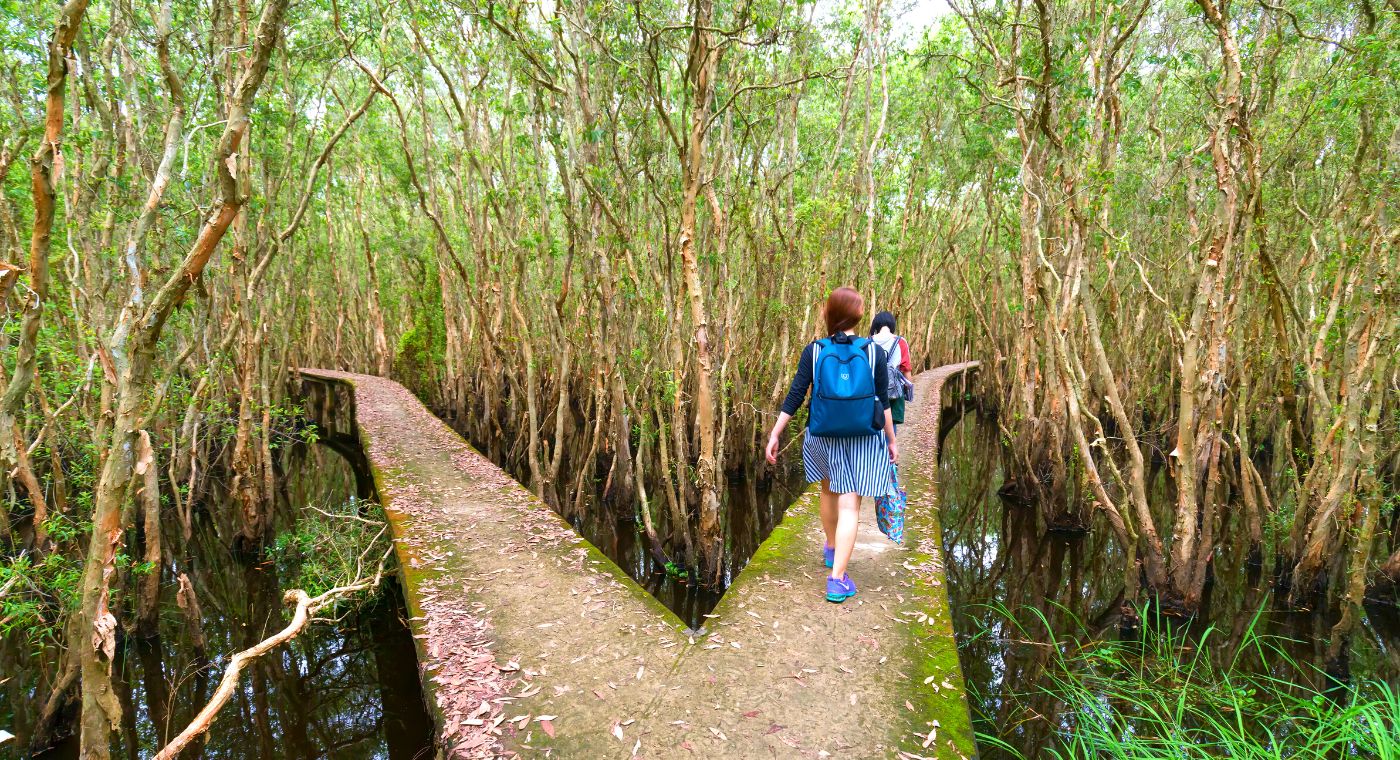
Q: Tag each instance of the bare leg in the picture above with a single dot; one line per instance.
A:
(848, 520)
(829, 513)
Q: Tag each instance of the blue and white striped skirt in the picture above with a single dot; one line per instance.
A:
(853, 465)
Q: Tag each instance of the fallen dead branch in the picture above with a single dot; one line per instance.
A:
(306, 609)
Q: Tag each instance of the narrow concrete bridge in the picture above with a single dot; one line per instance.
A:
(532, 643)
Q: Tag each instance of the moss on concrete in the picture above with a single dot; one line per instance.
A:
(932, 644)
(777, 672)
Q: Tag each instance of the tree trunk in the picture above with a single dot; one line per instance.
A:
(703, 60)
(383, 357)
(876, 51)
(527, 349)
(133, 346)
(148, 597)
(1200, 397)
(46, 168)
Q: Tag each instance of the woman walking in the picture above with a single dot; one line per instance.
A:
(849, 443)
(899, 367)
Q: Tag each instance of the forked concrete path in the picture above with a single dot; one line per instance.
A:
(532, 643)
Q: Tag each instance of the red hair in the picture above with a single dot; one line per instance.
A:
(844, 308)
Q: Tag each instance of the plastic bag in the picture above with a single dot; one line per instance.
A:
(889, 509)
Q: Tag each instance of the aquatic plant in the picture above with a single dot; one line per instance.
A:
(1172, 693)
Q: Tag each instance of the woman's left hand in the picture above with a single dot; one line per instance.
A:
(894, 452)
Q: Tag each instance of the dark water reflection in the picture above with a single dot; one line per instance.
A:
(343, 690)
(999, 560)
(752, 506)
(751, 510)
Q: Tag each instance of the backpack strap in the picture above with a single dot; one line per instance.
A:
(890, 355)
(816, 347)
(869, 348)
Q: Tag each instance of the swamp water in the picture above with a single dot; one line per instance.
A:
(1007, 579)
(751, 513)
(752, 507)
(343, 689)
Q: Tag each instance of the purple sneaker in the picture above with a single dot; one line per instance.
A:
(829, 555)
(840, 589)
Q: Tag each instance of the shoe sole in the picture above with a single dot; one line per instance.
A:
(838, 598)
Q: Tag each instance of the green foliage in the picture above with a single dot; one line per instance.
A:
(1177, 694)
(39, 593)
(420, 356)
(532, 193)
(331, 547)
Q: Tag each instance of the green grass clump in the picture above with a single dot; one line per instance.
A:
(1173, 694)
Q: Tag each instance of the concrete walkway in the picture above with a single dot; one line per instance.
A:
(532, 643)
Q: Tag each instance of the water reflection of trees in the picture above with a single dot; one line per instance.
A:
(317, 697)
(1000, 560)
(343, 690)
(1018, 590)
(752, 507)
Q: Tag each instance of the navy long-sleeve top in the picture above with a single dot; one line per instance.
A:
(802, 381)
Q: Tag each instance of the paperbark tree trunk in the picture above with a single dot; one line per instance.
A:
(1204, 347)
(383, 357)
(148, 596)
(703, 59)
(46, 169)
(133, 347)
(876, 51)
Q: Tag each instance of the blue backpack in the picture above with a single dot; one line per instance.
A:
(844, 404)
